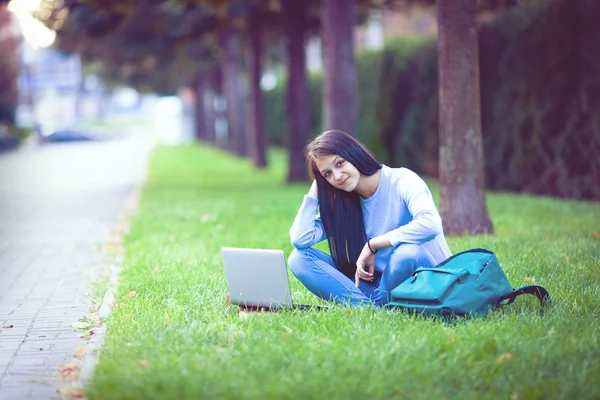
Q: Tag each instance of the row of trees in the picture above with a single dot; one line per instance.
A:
(213, 46)
(159, 45)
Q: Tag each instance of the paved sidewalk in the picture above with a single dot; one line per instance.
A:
(58, 205)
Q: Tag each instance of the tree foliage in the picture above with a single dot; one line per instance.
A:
(137, 41)
(149, 47)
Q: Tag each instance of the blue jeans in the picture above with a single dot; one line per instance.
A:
(316, 270)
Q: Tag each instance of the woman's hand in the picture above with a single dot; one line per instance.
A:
(313, 192)
(365, 265)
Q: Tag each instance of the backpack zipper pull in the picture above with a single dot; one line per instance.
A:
(484, 265)
(414, 277)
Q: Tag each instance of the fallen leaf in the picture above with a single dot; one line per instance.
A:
(92, 332)
(452, 339)
(565, 257)
(8, 326)
(118, 228)
(69, 369)
(69, 366)
(72, 392)
(227, 300)
(288, 329)
(92, 310)
(285, 335)
(130, 294)
(503, 357)
(143, 363)
(111, 306)
(86, 323)
(81, 325)
(110, 248)
(596, 234)
(530, 279)
(80, 352)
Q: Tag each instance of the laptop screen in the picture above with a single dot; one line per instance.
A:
(257, 277)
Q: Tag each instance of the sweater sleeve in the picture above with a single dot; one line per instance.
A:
(426, 223)
(307, 229)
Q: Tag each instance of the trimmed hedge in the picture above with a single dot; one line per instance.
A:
(540, 94)
(540, 100)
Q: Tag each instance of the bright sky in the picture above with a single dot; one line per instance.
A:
(35, 33)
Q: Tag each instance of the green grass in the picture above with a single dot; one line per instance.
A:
(176, 339)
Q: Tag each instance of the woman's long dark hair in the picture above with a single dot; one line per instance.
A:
(341, 211)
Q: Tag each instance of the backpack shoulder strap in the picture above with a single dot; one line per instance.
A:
(536, 290)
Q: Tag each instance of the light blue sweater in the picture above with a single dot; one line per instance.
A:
(402, 209)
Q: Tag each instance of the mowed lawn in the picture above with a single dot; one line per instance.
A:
(175, 337)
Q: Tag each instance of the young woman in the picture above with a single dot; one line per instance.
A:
(380, 222)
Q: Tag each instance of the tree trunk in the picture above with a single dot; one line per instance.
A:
(462, 189)
(213, 87)
(257, 118)
(340, 91)
(298, 116)
(229, 40)
(10, 40)
(209, 108)
(200, 88)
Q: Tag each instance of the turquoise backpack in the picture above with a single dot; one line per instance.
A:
(469, 283)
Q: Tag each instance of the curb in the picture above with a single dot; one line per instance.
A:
(89, 362)
(85, 366)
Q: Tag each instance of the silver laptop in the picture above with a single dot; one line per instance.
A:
(258, 279)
